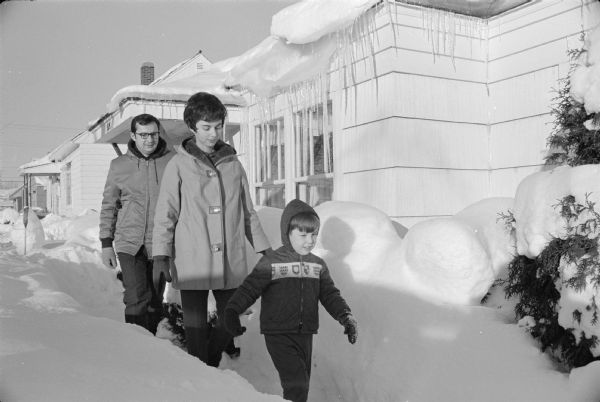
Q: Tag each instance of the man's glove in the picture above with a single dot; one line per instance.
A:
(109, 258)
(350, 327)
(161, 266)
(232, 322)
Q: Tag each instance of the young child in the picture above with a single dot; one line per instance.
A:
(291, 282)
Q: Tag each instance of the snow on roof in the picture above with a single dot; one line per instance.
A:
(310, 20)
(274, 64)
(210, 80)
(301, 47)
(47, 163)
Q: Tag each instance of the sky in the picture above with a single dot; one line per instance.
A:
(62, 335)
(62, 61)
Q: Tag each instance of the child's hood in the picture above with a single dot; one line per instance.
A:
(294, 207)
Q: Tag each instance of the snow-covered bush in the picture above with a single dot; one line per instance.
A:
(575, 139)
(556, 274)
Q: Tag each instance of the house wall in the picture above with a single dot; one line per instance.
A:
(89, 167)
(527, 58)
(95, 162)
(419, 135)
(414, 141)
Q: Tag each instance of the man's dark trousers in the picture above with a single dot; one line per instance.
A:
(142, 296)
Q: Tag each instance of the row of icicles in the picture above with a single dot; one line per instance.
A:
(358, 44)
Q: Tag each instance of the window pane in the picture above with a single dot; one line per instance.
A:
(269, 151)
(272, 196)
(316, 191)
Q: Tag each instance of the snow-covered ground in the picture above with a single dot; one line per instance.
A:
(62, 336)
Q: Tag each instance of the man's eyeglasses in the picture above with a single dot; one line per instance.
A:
(146, 135)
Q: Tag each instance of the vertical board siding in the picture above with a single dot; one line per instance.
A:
(399, 141)
(525, 95)
(544, 29)
(530, 134)
(417, 192)
(77, 180)
(415, 96)
(95, 161)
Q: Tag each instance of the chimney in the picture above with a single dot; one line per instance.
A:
(147, 73)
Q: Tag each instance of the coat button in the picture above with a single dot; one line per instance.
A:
(216, 247)
(211, 173)
(214, 209)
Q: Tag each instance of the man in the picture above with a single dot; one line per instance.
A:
(126, 219)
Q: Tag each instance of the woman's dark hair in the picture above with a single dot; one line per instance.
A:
(306, 222)
(203, 106)
(143, 120)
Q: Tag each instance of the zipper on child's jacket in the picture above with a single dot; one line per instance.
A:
(301, 294)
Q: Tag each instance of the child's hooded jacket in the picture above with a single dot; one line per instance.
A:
(291, 286)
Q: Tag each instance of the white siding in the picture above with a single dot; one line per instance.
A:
(528, 56)
(89, 167)
(419, 136)
(416, 143)
(94, 161)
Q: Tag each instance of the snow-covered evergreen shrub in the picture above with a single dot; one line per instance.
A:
(558, 289)
(575, 138)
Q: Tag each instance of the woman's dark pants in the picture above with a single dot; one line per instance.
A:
(202, 342)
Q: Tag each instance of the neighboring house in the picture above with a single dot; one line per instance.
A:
(73, 175)
(39, 183)
(5, 201)
(82, 178)
(69, 179)
(16, 198)
(417, 111)
(164, 98)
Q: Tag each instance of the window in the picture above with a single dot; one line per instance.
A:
(313, 150)
(270, 163)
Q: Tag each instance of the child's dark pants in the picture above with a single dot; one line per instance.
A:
(291, 355)
(207, 348)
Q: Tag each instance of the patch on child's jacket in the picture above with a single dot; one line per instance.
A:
(295, 270)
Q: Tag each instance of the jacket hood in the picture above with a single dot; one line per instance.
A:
(294, 207)
(221, 151)
(160, 150)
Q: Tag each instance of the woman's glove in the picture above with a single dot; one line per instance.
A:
(350, 327)
(232, 322)
(161, 266)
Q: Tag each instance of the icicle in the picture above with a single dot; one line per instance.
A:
(441, 28)
(392, 23)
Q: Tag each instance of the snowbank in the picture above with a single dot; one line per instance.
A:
(536, 215)
(63, 335)
(29, 238)
(8, 216)
(585, 78)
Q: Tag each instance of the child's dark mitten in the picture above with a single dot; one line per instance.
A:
(232, 323)
(350, 328)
